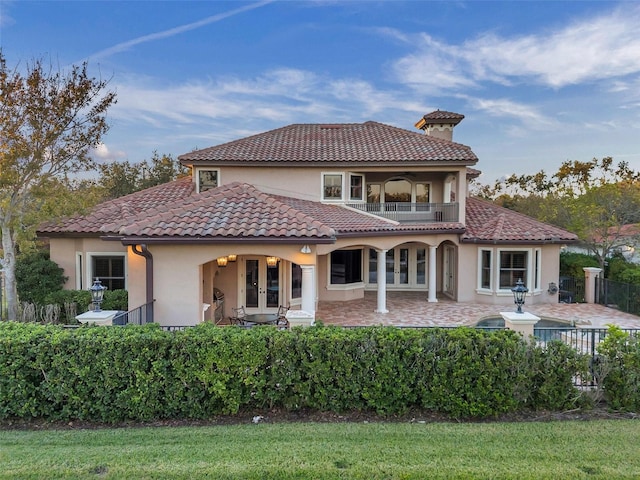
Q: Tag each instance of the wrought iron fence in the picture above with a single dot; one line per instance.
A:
(623, 296)
(583, 340)
(571, 290)
(137, 316)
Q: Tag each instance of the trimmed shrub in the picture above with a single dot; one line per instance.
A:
(111, 374)
(37, 276)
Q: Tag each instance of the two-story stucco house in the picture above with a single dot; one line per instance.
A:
(312, 212)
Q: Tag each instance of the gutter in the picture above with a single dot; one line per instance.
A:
(146, 254)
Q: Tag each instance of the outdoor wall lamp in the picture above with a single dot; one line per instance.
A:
(305, 249)
(233, 257)
(222, 261)
(519, 292)
(272, 261)
(97, 294)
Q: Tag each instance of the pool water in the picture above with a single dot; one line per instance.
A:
(498, 322)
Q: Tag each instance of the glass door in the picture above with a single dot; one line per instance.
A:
(405, 267)
(261, 286)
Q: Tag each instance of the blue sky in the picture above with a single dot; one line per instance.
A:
(538, 82)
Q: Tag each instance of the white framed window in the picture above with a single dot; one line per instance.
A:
(332, 186)
(208, 179)
(296, 281)
(109, 267)
(356, 187)
(79, 272)
(513, 265)
(485, 269)
(537, 269)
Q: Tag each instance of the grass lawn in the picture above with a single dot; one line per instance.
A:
(555, 450)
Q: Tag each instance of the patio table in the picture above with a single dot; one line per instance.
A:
(261, 318)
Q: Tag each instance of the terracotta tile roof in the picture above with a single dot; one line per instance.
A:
(362, 144)
(489, 223)
(121, 208)
(173, 212)
(236, 210)
(440, 116)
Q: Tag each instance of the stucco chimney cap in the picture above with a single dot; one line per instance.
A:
(439, 116)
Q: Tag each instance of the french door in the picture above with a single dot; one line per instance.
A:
(405, 267)
(261, 286)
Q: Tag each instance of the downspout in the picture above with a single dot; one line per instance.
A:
(144, 252)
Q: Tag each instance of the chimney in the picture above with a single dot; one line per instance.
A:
(439, 124)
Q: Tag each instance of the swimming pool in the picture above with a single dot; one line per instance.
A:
(498, 322)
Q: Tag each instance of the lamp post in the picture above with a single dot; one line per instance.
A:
(97, 294)
(519, 292)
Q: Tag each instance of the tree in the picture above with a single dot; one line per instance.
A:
(593, 199)
(122, 178)
(49, 121)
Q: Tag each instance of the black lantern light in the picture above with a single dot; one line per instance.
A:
(97, 294)
(519, 292)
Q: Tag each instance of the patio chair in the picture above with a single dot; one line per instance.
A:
(238, 316)
(282, 322)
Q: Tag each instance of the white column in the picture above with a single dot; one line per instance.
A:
(308, 288)
(590, 274)
(382, 282)
(432, 275)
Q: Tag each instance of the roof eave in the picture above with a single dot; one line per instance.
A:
(552, 241)
(173, 240)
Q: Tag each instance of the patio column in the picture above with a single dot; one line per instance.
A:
(432, 275)
(308, 288)
(382, 282)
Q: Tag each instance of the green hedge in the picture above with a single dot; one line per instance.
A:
(618, 366)
(143, 373)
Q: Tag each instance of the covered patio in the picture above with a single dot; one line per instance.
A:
(411, 309)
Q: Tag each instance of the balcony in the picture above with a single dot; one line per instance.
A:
(411, 212)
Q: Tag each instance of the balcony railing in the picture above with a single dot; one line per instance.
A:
(411, 212)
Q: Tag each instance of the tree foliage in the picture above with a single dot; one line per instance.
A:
(593, 199)
(37, 276)
(49, 121)
(122, 178)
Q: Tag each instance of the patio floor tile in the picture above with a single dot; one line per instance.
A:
(412, 309)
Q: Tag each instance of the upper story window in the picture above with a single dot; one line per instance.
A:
(356, 183)
(207, 179)
(332, 186)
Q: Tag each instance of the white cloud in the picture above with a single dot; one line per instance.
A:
(278, 96)
(588, 50)
(526, 114)
(103, 154)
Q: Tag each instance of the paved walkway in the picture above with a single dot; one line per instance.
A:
(412, 309)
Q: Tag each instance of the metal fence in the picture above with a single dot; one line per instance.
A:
(571, 290)
(623, 296)
(583, 340)
(137, 316)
